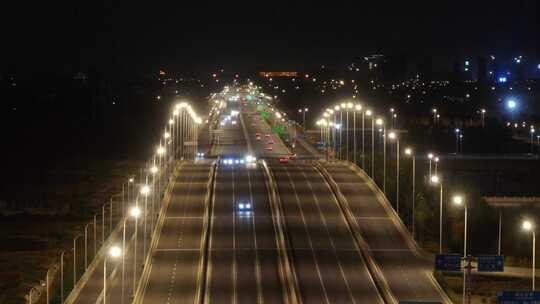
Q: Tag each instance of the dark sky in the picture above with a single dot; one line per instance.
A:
(129, 37)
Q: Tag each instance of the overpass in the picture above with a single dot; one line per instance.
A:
(249, 223)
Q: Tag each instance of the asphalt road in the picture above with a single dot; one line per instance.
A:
(174, 272)
(405, 272)
(329, 266)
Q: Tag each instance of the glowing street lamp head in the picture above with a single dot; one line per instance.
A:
(343, 105)
(154, 170)
(135, 212)
(457, 200)
(379, 121)
(430, 155)
(336, 108)
(160, 150)
(392, 135)
(175, 112)
(436, 159)
(358, 107)
(391, 110)
(171, 121)
(350, 105)
(368, 113)
(166, 135)
(145, 190)
(131, 180)
(115, 251)
(435, 179)
(306, 109)
(511, 104)
(483, 111)
(457, 130)
(527, 225)
(408, 151)
(434, 110)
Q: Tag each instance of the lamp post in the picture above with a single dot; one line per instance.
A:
(303, 111)
(114, 252)
(409, 152)
(369, 114)
(356, 109)
(531, 132)
(459, 201)
(86, 245)
(363, 150)
(436, 160)
(134, 213)
(434, 111)
(393, 136)
(529, 226)
(349, 107)
(436, 180)
(430, 157)
(457, 131)
(62, 276)
(145, 190)
(482, 115)
(380, 122)
(75, 259)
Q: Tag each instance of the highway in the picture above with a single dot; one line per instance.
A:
(174, 273)
(242, 265)
(328, 263)
(222, 243)
(405, 270)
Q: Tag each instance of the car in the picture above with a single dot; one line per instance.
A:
(244, 206)
(268, 148)
(284, 160)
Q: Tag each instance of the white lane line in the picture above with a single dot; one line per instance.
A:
(317, 203)
(234, 238)
(260, 297)
(308, 235)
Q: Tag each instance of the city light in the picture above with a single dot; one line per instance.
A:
(435, 179)
(115, 251)
(145, 190)
(135, 212)
(457, 200)
(527, 225)
(511, 104)
(408, 151)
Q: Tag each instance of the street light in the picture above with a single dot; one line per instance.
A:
(459, 201)
(531, 132)
(409, 152)
(483, 114)
(457, 131)
(380, 122)
(511, 104)
(430, 157)
(393, 136)
(435, 179)
(529, 226)
(114, 252)
(369, 114)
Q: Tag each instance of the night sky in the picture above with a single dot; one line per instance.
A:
(135, 37)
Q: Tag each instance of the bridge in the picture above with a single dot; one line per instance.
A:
(225, 212)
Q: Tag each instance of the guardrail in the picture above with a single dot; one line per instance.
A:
(374, 271)
(287, 272)
(200, 295)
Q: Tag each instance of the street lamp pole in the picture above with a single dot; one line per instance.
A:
(409, 151)
(363, 151)
(529, 226)
(436, 180)
(75, 259)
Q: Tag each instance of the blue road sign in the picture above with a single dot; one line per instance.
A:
(448, 262)
(519, 297)
(490, 263)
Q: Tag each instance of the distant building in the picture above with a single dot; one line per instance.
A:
(278, 74)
